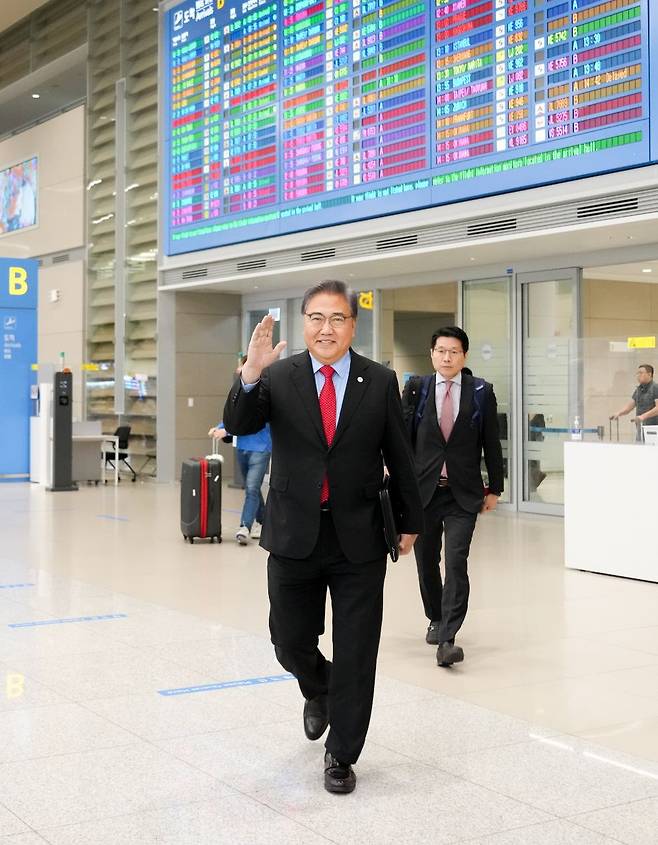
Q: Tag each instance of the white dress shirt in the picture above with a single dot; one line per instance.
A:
(455, 393)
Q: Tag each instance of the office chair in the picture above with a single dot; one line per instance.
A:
(123, 433)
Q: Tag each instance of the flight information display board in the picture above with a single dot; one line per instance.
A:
(285, 115)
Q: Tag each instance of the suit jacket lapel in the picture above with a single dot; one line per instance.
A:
(430, 409)
(304, 381)
(357, 385)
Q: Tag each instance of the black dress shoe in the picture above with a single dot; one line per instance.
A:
(338, 777)
(316, 716)
(432, 635)
(449, 653)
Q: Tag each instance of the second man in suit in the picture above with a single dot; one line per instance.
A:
(453, 423)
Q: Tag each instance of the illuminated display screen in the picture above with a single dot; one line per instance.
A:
(18, 196)
(285, 115)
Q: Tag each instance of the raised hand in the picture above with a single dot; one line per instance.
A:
(261, 353)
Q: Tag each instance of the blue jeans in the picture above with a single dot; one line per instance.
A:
(253, 466)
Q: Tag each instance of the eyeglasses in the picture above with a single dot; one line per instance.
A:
(318, 320)
(453, 353)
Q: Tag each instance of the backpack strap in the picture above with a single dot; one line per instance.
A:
(479, 402)
(416, 392)
(423, 393)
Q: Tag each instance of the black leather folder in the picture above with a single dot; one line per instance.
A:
(390, 528)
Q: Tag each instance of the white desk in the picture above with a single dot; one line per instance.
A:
(110, 443)
(86, 464)
(89, 456)
(610, 493)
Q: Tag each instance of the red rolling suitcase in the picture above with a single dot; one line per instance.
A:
(201, 498)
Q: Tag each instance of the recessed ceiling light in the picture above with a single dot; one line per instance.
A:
(35, 96)
(647, 270)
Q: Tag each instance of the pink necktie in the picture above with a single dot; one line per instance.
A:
(447, 420)
(328, 411)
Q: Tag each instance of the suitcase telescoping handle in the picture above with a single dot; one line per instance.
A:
(213, 455)
(617, 422)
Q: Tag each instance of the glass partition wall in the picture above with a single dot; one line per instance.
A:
(523, 333)
(486, 315)
(620, 331)
(551, 403)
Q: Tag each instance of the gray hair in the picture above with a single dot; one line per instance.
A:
(336, 287)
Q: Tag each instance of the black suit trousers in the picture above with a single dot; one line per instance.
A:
(297, 591)
(445, 602)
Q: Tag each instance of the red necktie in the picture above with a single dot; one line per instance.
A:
(328, 411)
(447, 420)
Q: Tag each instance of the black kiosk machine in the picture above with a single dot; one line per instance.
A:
(63, 432)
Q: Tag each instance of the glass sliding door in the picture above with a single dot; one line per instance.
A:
(486, 311)
(551, 381)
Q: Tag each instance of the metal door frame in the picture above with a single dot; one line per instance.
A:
(264, 305)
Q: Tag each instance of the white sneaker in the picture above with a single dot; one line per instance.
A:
(242, 535)
(255, 531)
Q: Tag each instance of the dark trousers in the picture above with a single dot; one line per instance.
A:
(445, 602)
(297, 590)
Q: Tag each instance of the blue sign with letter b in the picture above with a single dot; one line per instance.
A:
(18, 339)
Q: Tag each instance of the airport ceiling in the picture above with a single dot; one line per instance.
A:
(59, 85)
(12, 11)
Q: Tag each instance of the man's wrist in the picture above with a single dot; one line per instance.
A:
(249, 378)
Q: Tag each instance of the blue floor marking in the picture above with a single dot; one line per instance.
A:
(110, 516)
(14, 586)
(244, 682)
(41, 622)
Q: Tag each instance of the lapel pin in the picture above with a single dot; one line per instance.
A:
(359, 378)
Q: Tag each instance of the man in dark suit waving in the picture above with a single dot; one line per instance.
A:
(454, 421)
(335, 419)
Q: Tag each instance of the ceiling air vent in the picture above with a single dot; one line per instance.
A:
(61, 258)
(318, 254)
(195, 273)
(251, 264)
(397, 242)
(491, 227)
(612, 206)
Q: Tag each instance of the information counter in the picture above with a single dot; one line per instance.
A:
(610, 498)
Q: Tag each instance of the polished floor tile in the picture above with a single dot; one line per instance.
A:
(153, 717)
(567, 704)
(73, 788)
(112, 672)
(545, 735)
(633, 824)
(434, 808)
(561, 775)
(550, 833)
(230, 820)
(56, 729)
(279, 758)
(10, 824)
